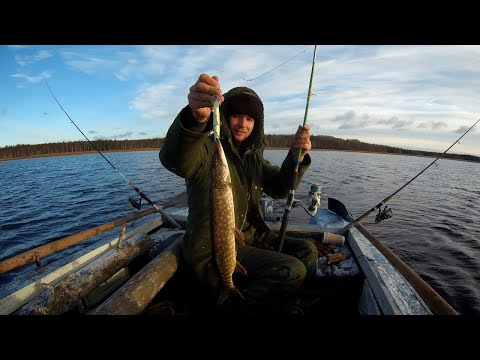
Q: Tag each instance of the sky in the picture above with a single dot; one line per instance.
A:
(421, 97)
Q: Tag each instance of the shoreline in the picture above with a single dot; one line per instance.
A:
(75, 153)
(268, 148)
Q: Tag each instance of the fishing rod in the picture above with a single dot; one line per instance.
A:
(386, 212)
(309, 95)
(132, 201)
(291, 193)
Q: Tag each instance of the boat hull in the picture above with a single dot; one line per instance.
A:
(363, 282)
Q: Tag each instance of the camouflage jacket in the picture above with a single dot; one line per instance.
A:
(188, 154)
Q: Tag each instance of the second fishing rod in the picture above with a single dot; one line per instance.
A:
(386, 212)
(134, 187)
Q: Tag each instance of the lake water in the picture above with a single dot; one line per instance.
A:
(435, 227)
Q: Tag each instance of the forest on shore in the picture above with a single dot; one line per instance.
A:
(319, 142)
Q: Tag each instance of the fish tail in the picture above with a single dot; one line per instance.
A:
(225, 293)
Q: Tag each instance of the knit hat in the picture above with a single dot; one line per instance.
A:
(244, 104)
(243, 100)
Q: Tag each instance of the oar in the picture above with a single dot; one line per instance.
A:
(32, 255)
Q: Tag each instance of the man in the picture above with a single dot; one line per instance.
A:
(273, 278)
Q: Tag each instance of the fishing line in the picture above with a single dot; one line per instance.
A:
(276, 67)
(386, 212)
(131, 200)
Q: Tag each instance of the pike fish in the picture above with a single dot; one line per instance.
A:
(222, 227)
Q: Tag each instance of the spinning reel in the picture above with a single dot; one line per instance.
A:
(136, 204)
(314, 196)
(383, 214)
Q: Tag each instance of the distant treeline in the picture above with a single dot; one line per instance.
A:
(275, 141)
(70, 147)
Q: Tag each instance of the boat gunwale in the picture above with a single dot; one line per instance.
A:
(433, 303)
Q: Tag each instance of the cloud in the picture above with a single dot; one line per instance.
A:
(122, 136)
(25, 60)
(155, 101)
(34, 79)
(463, 129)
(122, 64)
(90, 65)
(127, 68)
(395, 123)
(349, 120)
(125, 135)
(436, 125)
(394, 94)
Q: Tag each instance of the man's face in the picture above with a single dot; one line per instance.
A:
(241, 126)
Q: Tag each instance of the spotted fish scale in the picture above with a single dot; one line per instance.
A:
(222, 224)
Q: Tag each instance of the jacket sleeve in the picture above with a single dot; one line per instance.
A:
(278, 181)
(185, 150)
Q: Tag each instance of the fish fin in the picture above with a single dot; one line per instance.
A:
(212, 275)
(238, 293)
(240, 269)
(225, 293)
(233, 186)
(239, 236)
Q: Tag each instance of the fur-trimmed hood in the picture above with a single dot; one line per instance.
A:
(243, 100)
